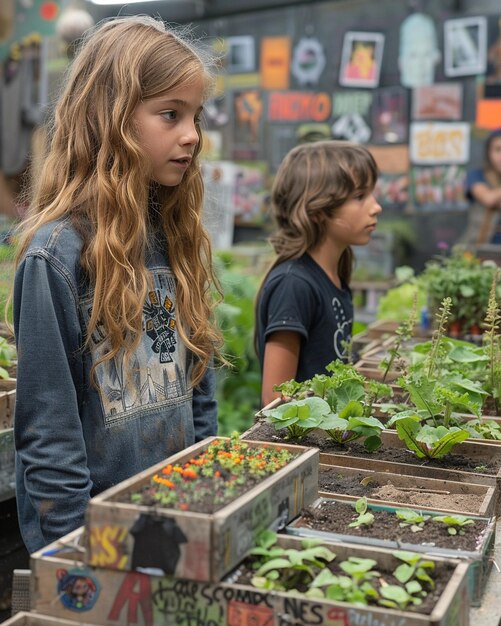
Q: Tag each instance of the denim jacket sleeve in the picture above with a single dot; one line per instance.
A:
(50, 448)
(205, 406)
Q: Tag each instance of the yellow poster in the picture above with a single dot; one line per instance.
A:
(275, 62)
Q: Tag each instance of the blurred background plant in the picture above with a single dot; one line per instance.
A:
(238, 387)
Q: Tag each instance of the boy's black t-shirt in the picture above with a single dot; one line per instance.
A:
(299, 296)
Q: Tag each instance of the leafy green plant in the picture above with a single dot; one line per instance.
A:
(364, 518)
(284, 569)
(298, 416)
(455, 523)
(7, 356)
(463, 278)
(432, 442)
(415, 519)
(238, 389)
(492, 344)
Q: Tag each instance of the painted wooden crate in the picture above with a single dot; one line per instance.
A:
(24, 618)
(64, 587)
(195, 545)
(7, 469)
(479, 560)
(7, 402)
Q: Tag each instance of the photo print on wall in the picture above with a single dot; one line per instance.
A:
(361, 59)
(465, 46)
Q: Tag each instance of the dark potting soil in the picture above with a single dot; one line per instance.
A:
(379, 487)
(441, 576)
(335, 517)
(316, 439)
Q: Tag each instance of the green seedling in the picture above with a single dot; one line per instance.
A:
(455, 523)
(415, 519)
(364, 518)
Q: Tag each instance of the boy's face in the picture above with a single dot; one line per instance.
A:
(166, 129)
(354, 221)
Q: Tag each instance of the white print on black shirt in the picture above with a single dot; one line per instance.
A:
(342, 324)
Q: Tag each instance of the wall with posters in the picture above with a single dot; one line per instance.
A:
(419, 82)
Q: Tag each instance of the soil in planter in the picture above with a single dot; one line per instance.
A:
(267, 432)
(333, 481)
(335, 517)
(441, 575)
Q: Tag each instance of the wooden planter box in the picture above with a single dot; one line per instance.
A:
(380, 328)
(480, 560)
(484, 453)
(124, 598)
(23, 618)
(487, 495)
(7, 469)
(194, 545)
(370, 369)
(7, 402)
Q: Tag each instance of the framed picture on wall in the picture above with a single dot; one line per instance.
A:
(240, 54)
(465, 46)
(361, 59)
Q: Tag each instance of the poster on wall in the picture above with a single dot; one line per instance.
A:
(249, 193)
(465, 46)
(439, 142)
(299, 106)
(240, 56)
(393, 181)
(247, 118)
(308, 61)
(218, 214)
(442, 101)
(439, 186)
(389, 115)
(361, 59)
(488, 113)
(275, 62)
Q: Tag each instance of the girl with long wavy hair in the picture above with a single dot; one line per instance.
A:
(322, 202)
(114, 289)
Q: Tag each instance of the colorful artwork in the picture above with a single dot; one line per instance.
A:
(441, 185)
(361, 59)
(439, 142)
(299, 106)
(389, 115)
(351, 101)
(247, 116)
(465, 42)
(248, 193)
(77, 589)
(442, 101)
(308, 61)
(392, 190)
(275, 62)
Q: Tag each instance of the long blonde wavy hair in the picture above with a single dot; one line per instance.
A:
(95, 174)
(312, 182)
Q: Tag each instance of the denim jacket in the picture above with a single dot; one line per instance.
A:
(75, 438)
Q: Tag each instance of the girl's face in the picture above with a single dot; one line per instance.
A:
(495, 154)
(166, 128)
(354, 221)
